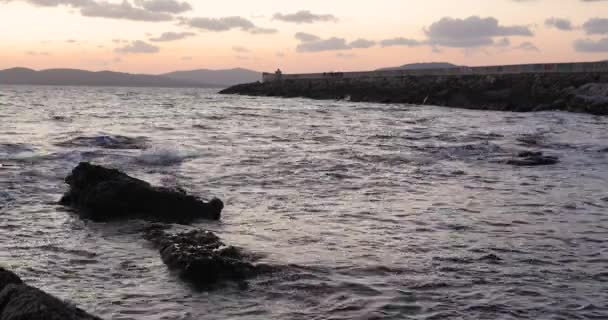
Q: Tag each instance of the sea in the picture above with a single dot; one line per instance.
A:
(369, 211)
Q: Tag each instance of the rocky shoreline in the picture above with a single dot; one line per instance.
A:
(574, 92)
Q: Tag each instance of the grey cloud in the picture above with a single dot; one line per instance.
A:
(588, 45)
(470, 32)
(55, 3)
(502, 43)
(400, 42)
(225, 24)
(104, 9)
(138, 47)
(172, 36)
(527, 46)
(306, 37)
(312, 43)
(345, 55)
(304, 16)
(38, 53)
(323, 45)
(559, 23)
(122, 10)
(240, 49)
(596, 26)
(168, 6)
(362, 43)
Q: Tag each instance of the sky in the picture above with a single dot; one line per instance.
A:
(157, 36)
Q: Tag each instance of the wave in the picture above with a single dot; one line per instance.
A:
(164, 156)
(107, 142)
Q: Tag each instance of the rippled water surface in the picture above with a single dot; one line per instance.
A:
(375, 211)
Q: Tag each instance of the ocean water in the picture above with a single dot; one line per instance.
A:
(372, 211)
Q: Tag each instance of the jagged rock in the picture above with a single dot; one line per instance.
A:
(103, 194)
(19, 301)
(532, 158)
(201, 258)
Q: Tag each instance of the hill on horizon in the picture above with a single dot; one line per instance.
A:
(422, 65)
(228, 77)
(77, 77)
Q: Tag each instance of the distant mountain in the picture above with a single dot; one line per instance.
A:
(224, 78)
(69, 77)
(420, 66)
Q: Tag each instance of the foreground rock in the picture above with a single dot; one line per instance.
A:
(103, 194)
(529, 158)
(200, 257)
(577, 92)
(19, 301)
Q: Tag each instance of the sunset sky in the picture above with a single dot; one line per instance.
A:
(155, 36)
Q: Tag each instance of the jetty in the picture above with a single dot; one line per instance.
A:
(576, 87)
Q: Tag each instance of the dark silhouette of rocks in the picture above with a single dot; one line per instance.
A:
(104, 194)
(200, 257)
(19, 301)
(576, 92)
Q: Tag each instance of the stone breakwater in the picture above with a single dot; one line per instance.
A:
(575, 92)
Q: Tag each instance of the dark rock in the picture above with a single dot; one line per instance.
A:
(19, 301)
(525, 154)
(507, 92)
(8, 277)
(201, 258)
(103, 194)
(532, 158)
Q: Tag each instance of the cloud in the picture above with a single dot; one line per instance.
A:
(225, 24)
(323, 45)
(304, 16)
(105, 9)
(527, 46)
(124, 10)
(167, 6)
(588, 45)
(38, 53)
(312, 43)
(503, 43)
(138, 46)
(172, 36)
(400, 42)
(306, 37)
(559, 23)
(471, 32)
(596, 26)
(240, 49)
(345, 55)
(362, 43)
(186, 58)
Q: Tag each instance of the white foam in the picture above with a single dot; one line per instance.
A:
(164, 156)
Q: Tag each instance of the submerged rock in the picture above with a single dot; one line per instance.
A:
(19, 301)
(100, 193)
(201, 258)
(532, 158)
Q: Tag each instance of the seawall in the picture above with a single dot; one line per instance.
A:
(574, 91)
